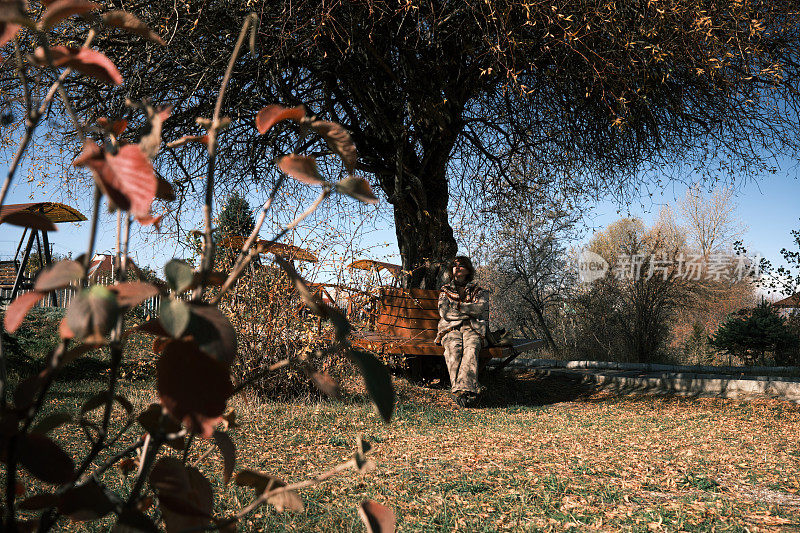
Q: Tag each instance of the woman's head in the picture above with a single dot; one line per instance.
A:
(462, 269)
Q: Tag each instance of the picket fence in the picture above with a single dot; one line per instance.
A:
(63, 297)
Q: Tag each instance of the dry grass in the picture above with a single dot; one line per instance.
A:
(544, 454)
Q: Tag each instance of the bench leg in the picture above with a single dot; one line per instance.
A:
(507, 360)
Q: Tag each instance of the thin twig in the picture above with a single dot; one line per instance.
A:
(246, 255)
(266, 495)
(93, 230)
(258, 375)
(208, 244)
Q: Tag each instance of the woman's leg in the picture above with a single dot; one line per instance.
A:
(453, 349)
(467, 379)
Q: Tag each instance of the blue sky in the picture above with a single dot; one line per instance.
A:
(769, 206)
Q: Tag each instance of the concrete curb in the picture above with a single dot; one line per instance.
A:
(656, 379)
(652, 367)
(686, 385)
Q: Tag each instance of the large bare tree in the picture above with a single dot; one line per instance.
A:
(442, 94)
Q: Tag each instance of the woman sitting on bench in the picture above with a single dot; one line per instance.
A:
(464, 312)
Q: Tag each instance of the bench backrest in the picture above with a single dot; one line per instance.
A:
(408, 313)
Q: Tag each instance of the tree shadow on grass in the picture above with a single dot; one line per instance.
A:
(508, 388)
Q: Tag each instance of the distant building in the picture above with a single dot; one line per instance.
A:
(788, 306)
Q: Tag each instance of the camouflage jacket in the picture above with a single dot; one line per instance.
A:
(472, 310)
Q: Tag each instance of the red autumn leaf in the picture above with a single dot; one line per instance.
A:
(153, 327)
(376, 517)
(186, 496)
(63, 329)
(130, 23)
(357, 188)
(84, 60)
(7, 32)
(194, 388)
(116, 127)
(93, 156)
(17, 310)
(325, 383)
(135, 178)
(133, 293)
(38, 502)
(151, 220)
(61, 9)
(92, 314)
(58, 276)
(272, 114)
(302, 168)
(339, 141)
(29, 219)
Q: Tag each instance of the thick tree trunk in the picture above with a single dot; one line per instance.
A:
(426, 243)
(424, 236)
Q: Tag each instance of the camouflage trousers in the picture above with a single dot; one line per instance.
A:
(461, 348)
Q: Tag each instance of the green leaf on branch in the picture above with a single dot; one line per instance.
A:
(179, 275)
(58, 276)
(92, 314)
(378, 381)
(213, 333)
(174, 316)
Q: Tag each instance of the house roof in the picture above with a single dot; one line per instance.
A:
(791, 301)
(52, 211)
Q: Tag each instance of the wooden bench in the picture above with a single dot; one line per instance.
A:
(405, 325)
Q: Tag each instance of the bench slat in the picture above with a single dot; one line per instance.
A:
(411, 323)
(413, 312)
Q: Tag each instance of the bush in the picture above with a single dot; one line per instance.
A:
(750, 337)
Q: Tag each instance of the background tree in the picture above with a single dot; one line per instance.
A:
(235, 220)
(442, 96)
(750, 337)
(626, 314)
(529, 268)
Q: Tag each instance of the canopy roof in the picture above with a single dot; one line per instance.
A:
(277, 248)
(52, 211)
(369, 264)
